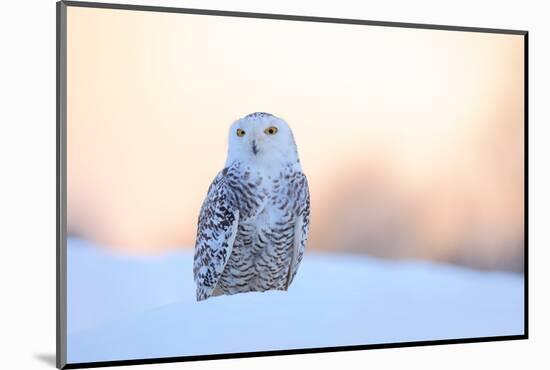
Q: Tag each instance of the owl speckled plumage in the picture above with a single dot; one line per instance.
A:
(253, 225)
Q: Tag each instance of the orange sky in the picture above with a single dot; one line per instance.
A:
(151, 96)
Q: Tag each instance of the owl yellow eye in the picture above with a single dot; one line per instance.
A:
(240, 132)
(272, 130)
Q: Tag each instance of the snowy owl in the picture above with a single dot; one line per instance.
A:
(253, 224)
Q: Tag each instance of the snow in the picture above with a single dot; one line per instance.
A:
(122, 307)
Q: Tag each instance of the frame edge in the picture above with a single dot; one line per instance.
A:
(287, 17)
(61, 175)
(526, 181)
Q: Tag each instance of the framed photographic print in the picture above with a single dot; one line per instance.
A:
(238, 184)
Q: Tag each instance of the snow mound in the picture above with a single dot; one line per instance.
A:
(123, 307)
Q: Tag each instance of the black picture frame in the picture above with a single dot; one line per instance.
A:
(61, 186)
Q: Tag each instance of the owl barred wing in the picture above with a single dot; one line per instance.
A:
(301, 227)
(216, 232)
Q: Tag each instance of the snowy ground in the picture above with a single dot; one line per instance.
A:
(123, 307)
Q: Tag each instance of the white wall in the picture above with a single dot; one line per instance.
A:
(27, 196)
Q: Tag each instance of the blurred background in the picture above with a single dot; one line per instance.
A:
(412, 140)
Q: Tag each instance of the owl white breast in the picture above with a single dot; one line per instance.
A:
(254, 222)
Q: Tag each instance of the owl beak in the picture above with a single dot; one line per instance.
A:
(254, 147)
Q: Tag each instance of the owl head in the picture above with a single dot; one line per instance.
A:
(261, 139)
